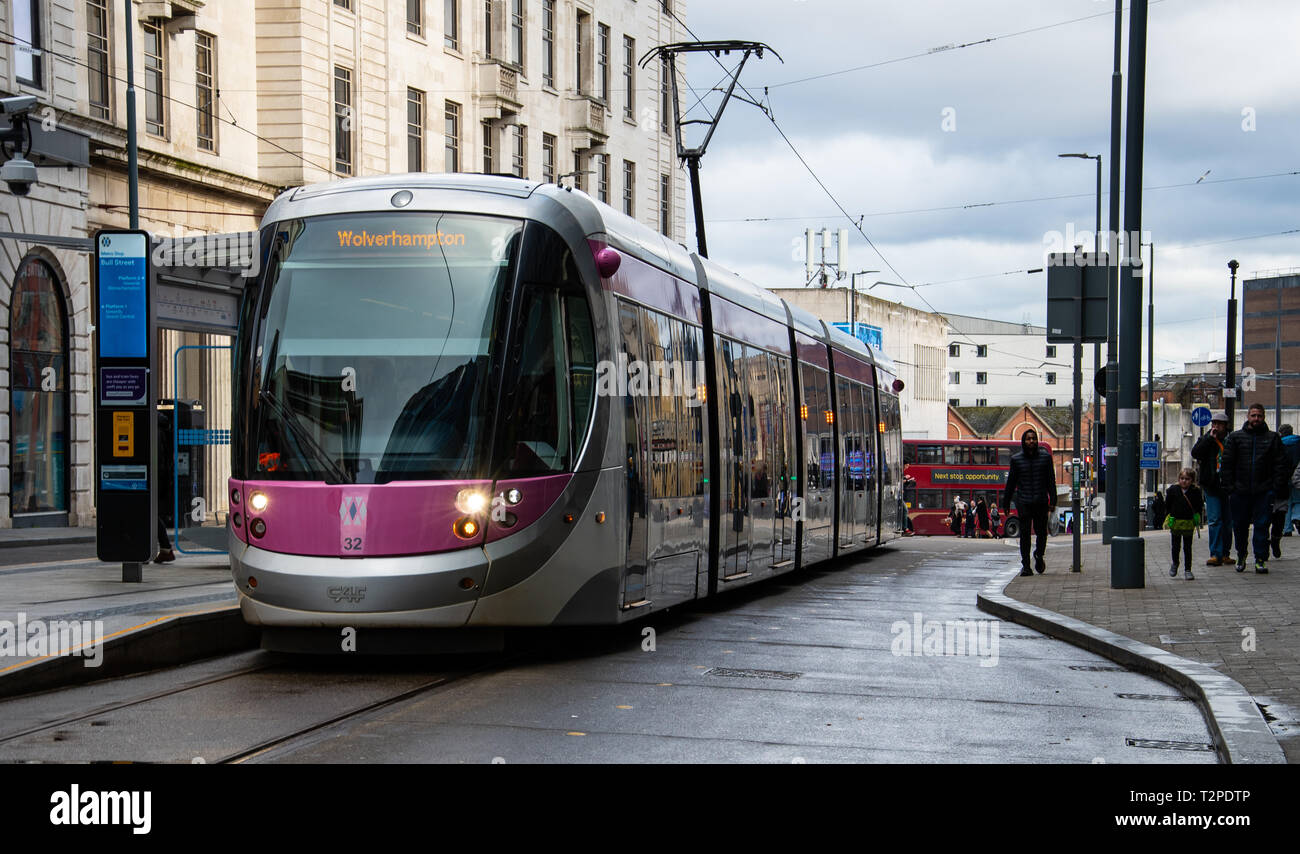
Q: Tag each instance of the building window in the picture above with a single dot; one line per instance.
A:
(579, 171)
(954, 401)
(154, 79)
(602, 178)
(489, 154)
(954, 377)
(487, 27)
(1050, 402)
(629, 188)
(548, 158)
(415, 17)
(665, 205)
(1051, 351)
(38, 406)
(1051, 378)
(414, 130)
(602, 63)
(981, 401)
(954, 350)
(205, 90)
(548, 43)
(344, 4)
(27, 38)
(342, 121)
(450, 25)
(517, 32)
(98, 58)
(665, 96)
(581, 29)
(519, 151)
(981, 378)
(629, 76)
(451, 133)
(981, 351)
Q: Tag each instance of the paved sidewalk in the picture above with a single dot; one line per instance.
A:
(1244, 625)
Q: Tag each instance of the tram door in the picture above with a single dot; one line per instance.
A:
(733, 480)
(636, 442)
(783, 466)
(850, 418)
(759, 446)
(868, 509)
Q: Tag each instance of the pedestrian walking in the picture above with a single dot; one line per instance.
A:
(970, 518)
(1031, 483)
(1184, 503)
(956, 516)
(982, 517)
(1291, 504)
(1208, 453)
(1253, 465)
(995, 519)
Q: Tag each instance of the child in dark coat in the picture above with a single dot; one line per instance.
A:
(1184, 504)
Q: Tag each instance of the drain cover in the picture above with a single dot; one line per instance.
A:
(1156, 744)
(1097, 668)
(1175, 697)
(752, 674)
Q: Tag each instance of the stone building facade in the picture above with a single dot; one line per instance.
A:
(239, 99)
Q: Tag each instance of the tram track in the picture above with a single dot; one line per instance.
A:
(299, 732)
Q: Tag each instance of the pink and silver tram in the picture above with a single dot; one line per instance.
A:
(467, 400)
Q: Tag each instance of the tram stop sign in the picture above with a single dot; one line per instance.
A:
(1150, 455)
(1201, 416)
(126, 423)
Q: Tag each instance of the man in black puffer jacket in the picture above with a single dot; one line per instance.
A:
(1254, 470)
(1031, 481)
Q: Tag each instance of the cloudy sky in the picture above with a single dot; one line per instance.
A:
(969, 126)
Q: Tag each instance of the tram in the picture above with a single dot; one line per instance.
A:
(468, 400)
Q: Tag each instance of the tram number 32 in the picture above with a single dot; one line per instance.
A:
(352, 544)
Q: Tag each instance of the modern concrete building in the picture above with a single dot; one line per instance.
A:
(239, 99)
(1270, 301)
(997, 363)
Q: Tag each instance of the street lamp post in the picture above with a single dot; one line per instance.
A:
(1096, 348)
(1229, 403)
(853, 300)
(1151, 331)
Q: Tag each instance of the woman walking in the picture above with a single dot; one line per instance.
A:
(1184, 504)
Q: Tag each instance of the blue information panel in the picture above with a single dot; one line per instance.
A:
(123, 296)
(866, 333)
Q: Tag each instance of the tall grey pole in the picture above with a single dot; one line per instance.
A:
(1277, 364)
(1151, 331)
(1128, 555)
(1112, 280)
(132, 152)
(1096, 354)
(1076, 561)
(1229, 403)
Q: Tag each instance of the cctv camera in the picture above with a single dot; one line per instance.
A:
(19, 174)
(17, 105)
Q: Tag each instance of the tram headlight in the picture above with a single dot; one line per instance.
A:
(471, 501)
(465, 528)
(513, 496)
(258, 502)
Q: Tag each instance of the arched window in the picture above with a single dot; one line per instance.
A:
(38, 364)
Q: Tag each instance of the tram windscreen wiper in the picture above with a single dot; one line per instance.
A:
(304, 437)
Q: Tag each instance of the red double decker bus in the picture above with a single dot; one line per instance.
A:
(938, 472)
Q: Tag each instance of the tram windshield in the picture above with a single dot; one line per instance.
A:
(374, 346)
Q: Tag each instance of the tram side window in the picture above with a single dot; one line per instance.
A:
(582, 362)
(662, 408)
(535, 428)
